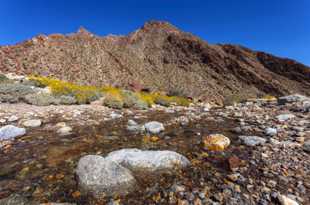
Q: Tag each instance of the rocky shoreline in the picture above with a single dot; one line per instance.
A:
(256, 152)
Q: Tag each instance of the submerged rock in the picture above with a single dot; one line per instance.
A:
(216, 142)
(102, 177)
(252, 140)
(65, 130)
(10, 131)
(32, 123)
(154, 127)
(149, 161)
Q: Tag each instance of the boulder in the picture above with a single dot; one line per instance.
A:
(271, 131)
(101, 177)
(284, 200)
(32, 123)
(154, 127)
(216, 142)
(65, 130)
(149, 162)
(252, 140)
(10, 131)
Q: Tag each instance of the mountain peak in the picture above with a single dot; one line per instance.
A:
(159, 25)
(83, 31)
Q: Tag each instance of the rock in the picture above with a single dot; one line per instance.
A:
(66, 130)
(271, 131)
(114, 115)
(307, 146)
(102, 177)
(284, 200)
(216, 142)
(234, 163)
(285, 117)
(16, 199)
(51, 203)
(292, 98)
(154, 127)
(150, 162)
(252, 140)
(32, 123)
(10, 131)
(13, 118)
(134, 126)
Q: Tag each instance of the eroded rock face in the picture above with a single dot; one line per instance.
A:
(102, 177)
(10, 132)
(216, 142)
(149, 161)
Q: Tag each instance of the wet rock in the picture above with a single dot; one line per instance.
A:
(134, 126)
(154, 127)
(10, 131)
(234, 163)
(16, 199)
(151, 162)
(102, 177)
(216, 142)
(252, 140)
(32, 123)
(284, 200)
(307, 146)
(271, 131)
(114, 115)
(65, 130)
(285, 117)
(13, 118)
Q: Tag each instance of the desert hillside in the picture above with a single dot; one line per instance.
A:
(157, 56)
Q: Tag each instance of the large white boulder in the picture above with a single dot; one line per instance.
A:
(151, 162)
(154, 127)
(101, 177)
(10, 131)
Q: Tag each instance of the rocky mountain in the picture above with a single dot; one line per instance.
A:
(158, 56)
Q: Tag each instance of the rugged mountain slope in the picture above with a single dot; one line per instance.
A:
(158, 56)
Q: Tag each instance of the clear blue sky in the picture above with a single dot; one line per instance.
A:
(281, 27)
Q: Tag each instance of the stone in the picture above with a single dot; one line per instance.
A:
(13, 118)
(150, 162)
(102, 177)
(134, 126)
(114, 115)
(66, 130)
(284, 200)
(154, 127)
(306, 146)
(10, 132)
(271, 131)
(32, 123)
(252, 140)
(233, 162)
(216, 142)
(285, 117)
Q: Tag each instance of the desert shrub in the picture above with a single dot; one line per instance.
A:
(148, 98)
(83, 94)
(234, 98)
(181, 101)
(162, 100)
(3, 79)
(131, 99)
(41, 99)
(113, 101)
(14, 92)
(269, 97)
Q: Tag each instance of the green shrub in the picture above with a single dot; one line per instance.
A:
(131, 99)
(14, 92)
(41, 99)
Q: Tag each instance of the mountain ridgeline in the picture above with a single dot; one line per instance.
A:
(158, 56)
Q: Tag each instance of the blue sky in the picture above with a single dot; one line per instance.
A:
(280, 27)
